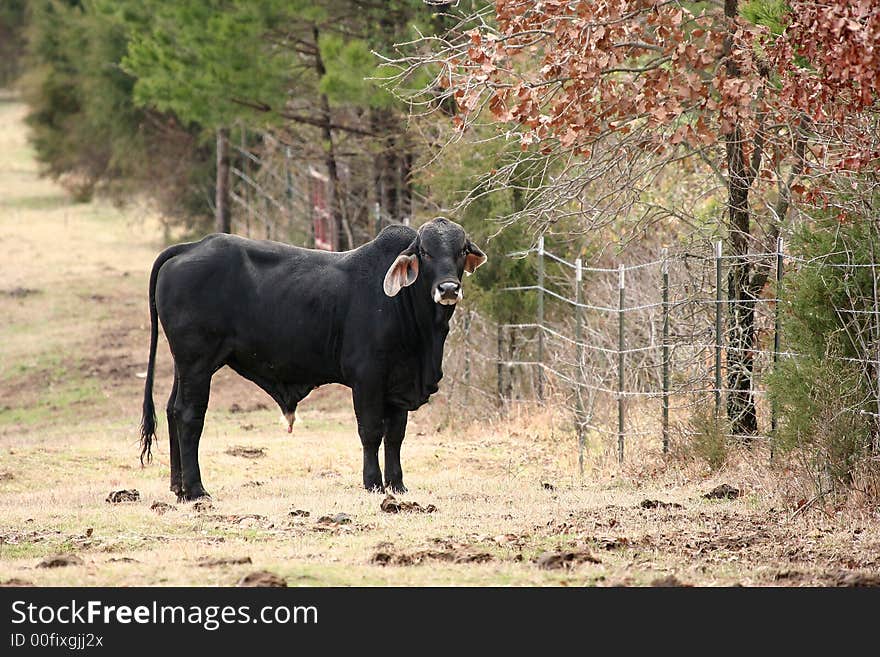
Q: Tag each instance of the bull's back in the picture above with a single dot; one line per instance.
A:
(265, 305)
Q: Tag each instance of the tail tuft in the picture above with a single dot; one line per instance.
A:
(148, 432)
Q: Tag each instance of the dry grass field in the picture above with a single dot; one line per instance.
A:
(74, 336)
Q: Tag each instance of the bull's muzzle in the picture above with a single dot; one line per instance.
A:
(447, 293)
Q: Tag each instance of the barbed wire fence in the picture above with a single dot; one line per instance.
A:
(634, 352)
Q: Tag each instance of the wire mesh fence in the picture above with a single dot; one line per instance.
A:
(637, 351)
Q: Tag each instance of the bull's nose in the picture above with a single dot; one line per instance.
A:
(447, 293)
(449, 289)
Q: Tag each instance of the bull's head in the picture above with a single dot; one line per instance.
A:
(438, 255)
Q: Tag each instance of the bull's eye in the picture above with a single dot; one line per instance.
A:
(424, 253)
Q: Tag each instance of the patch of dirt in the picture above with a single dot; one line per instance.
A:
(389, 558)
(112, 366)
(235, 407)
(669, 581)
(247, 452)
(15, 581)
(162, 508)
(392, 505)
(658, 504)
(60, 560)
(19, 292)
(723, 492)
(555, 560)
(262, 578)
(121, 496)
(206, 562)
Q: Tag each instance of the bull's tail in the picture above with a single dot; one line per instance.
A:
(148, 419)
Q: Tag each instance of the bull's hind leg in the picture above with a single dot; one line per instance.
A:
(174, 446)
(189, 409)
(368, 408)
(395, 428)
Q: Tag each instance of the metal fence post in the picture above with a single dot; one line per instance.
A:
(664, 270)
(500, 364)
(719, 301)
(467, 357)
(621, 342)
(578, 338)
(541, 318)
(776, 326)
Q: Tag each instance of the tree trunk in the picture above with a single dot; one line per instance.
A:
(741, 295)
(222, 217)
(340, 229)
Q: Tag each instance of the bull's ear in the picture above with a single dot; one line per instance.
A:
(402, 272)
(474, 258)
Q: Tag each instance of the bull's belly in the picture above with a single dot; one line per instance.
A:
(286, 383)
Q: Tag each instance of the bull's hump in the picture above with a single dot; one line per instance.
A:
(396, 236)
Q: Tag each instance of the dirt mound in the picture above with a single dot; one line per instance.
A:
(392, 505)
(389, 558)
(60, 560)
(207, 562)
(247, 452)
(658, 504)
(121, 496)
(723, 492)
(555, 560)
(15, 581)
(19, 292)
(262, 578)
(162, 508)
(669, 581)
(337, 519)
(848, 579)
(235, 407)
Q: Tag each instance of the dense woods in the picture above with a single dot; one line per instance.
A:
(609, 127)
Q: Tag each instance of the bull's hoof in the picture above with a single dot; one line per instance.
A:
(374, 484)
(193, 495)
(396, 486)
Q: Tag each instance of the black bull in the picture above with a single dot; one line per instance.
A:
(292, 319)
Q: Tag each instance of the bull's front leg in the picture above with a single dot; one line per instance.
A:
(368, 408)
(395, 429)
